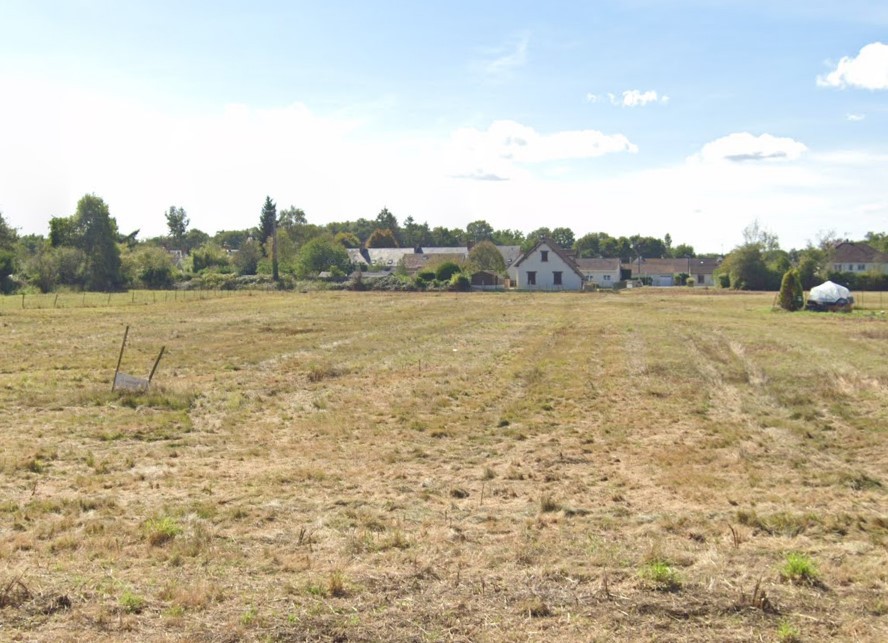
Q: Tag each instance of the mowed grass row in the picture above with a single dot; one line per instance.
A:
(649, 465)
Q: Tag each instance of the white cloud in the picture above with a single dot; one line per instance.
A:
(855, 118)
(869, 70)
(507, 59)
(743, 146)
(636, 98)
(496, 151)
(591, 98)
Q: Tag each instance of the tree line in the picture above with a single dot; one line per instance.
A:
(87, 251)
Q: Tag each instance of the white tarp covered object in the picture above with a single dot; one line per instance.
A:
(830, 293)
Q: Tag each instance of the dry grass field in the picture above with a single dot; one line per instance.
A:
(646, 466)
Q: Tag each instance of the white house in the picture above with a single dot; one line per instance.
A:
(546, 267)
(859, 257)
(604, 273)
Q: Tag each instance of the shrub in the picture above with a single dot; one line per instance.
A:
(460, 282)
(791, 293)
(691, 282)
(426, 275)
(446, 270)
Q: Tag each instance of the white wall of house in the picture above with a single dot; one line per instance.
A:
(543, 269)
(704, 279)
(878, 268)
(603, 278)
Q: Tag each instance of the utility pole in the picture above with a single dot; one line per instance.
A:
(274, 250)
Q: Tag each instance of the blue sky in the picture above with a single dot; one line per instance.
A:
(690, 117)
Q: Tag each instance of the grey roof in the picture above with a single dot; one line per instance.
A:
(689, 265)
(443, 250)
(850, 252)
(589, 264)
(510, 254)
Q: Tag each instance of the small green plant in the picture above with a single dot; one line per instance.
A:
(249, 616)
(131, 603)
(788, 633)
(661, 575)
(161, 530)
(799, 568)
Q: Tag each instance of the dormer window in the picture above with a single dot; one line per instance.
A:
(544, 255)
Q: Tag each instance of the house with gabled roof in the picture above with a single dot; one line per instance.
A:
(546, 266)
(601, 272)
(661, 272)
(849, 256)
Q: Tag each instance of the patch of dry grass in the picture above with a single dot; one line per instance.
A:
(338, 466)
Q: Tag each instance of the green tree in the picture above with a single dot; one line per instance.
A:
(7, 234)
(96, 234)
(291, 217)
(878, 240)
(648, 247)
(382, 238)
(746, 269)
(564, 237)
(812, 266)
(485, 256)
(533, 237)
(228, 239)
(7, 252)
(177, 224)
(792, 297)
(755, 235)
(478, 231)
(347, 239)
(247, 257)
(387, 221)
(415, 235)
(507, 237)
(210, 256)
(154, 267)
(446, 237)
(320, 254)
(62, 231)
(682, 250)
(267, 220)
(588, 245)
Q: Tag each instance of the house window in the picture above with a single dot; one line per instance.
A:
(556, 278)
(544, 255)
(531, 278)
(606, 277)
(861, 267)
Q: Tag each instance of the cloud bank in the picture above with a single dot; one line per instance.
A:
(494, 152)
(743, 146)
(868, 70)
